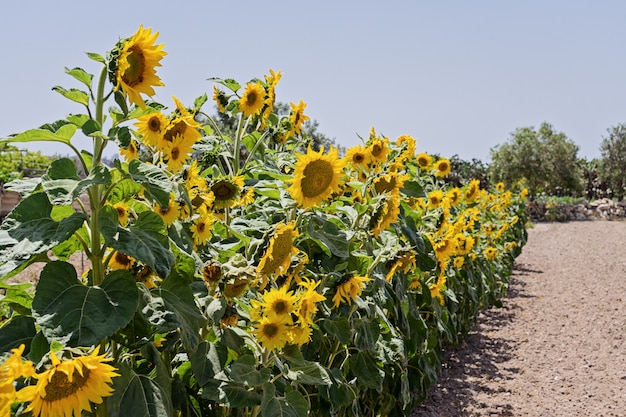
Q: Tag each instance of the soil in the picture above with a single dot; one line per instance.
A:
(558, 346)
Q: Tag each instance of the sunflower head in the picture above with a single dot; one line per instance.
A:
(253, 99)
(424, 161)
(442, 167)
(133, 63)
(227, 191)
(358, 156)
(277, 257)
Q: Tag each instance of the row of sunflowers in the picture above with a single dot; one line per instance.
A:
(236, 272)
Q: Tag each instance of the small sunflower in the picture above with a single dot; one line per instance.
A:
(136, 65)
(437, 288)
(306, 307)
(445, 248)
(358, 156)
(170, 213)
(277, 257)
(390, 183)
(120, 260)
(316, 177)
(404, 262)
(227, 191)
(178, 152)
(378, 150)
(202, 227)
(221, 100)
(388, 213)
(272, 333)
(500, 187)
(349, 290)
(123, 213)
(131, 151)
(297, 117)
(300, 334)
(151, 128)
(279, 303)
(252, 100)
(424, 161)
(442, 167)
(69, 386)
(472, 191)
(435, 198)
(454, 196)
(490, 253)
(409, 143)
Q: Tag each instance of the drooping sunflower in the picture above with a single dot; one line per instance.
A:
(272, 333)
(378, 150)
(278, 255)
(350, 289)
(316, 177)
(424, 161)
(151, 127)
(300, 334)
(472, 191)
(12, 368)
(120, 260)
(136, 65)
(69, 386)
(442, 167)
(387, 213)
(221, 100)
(178, 152)
(227, 191)
(306, 307)
(297, 117)
(409, 143)
(253, 99)
(390, 183)
(404, 262)
(454, 196)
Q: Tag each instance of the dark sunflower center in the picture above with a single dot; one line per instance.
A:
(177, 128)
(200, 227)
(212, 273)
(377, 150)
(280, 307)
(385, 186)
(270, 330)
(175, 153)
(121, 212)
(122, 259)
(358, 158)
(422, 162)
(60, 386)
(251, 98)
(318, 175)
(281, 248)
(136, 67)
(154, 124)
(296, 119)
(224, 190)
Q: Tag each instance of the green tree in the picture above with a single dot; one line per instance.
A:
(543, 160)
(613, 161)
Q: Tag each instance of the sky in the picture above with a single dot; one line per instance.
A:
(458, 76)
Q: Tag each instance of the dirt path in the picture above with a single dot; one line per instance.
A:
(558, 346)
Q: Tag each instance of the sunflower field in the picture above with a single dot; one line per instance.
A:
(236, 275)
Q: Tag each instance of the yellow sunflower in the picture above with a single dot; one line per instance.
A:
(297, 117)
(437, 288)
(472, 191)
(390, 182)
(316, 177)
(435, 198)
(182, 124)
(272, 333)
(454, 196)
(300, 334)
(13, 368)
(151, 127)
(69, 386)
(349, 290)
(442, 167)
(404, 262)
(424, 161)
(252, 100)
(378, 150)
(131, 152)
(122, 213)
(409, 142)
(120, 260)
(277, 257)
(388, 213)
(358, 156)
(490, 253)
(202, 228)
(306, 307)
(221, 100)
(136, 65)
(226, 191)
(279, 303)
(170, 213)
(178, 152)
(500, 187)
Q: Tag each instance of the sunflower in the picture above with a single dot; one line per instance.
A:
(252, 100)
(202, 227)
(169, 214)
(378, 150)
(404, 262)
(490, 253)
(183, 125)
(389, 183)
(123, 213)
(472, 191)
(277, 257)
(358, 156)
(272, 333)
(454, 196)
(13, 368)
(131, 151)
(226, 191)
(221, 100)
(442, 167)
(297, 117)
(349, 290)
(147, 277)
(424, 161)
(178, 152)
(464, 243)
(388, 213)
(437, 288)
(135, 73)
(435, 198)
(120, 260)
(279, 303)
(316, 177)
(409, 142)
(151, 128)
(458, 262)
(445, 248)
(306, 307)
(500, 187)
(300, 334)
(69, 386)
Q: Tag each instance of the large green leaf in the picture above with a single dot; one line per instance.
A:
(73, 94)
(63, 134)
(153, 178)
(244, 371)
(63, 185)
(292, 405)
(79, 315)
(141, 395)
(364, 367)
(29, 230)
(17, 296)
(329, 236)
(207, 360)
(172, 307)
(146, 240)
(80, 75)
(303, 371)
(19, 330)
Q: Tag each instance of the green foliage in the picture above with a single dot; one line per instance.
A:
(612, 165)
(543, 160)
(16, 163)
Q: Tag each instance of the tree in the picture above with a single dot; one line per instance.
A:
(544, 160)
(613, 161)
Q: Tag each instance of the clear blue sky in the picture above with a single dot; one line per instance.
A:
(459, 76)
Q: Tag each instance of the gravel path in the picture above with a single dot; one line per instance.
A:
(558, 346)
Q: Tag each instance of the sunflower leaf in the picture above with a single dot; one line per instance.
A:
(329, 236)
(63, 184)
(153, 178)
(81, 75)
(96, 57)
(79, 315)
(146, 240)
(63, 134)
(18, 330)
(73, 94)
